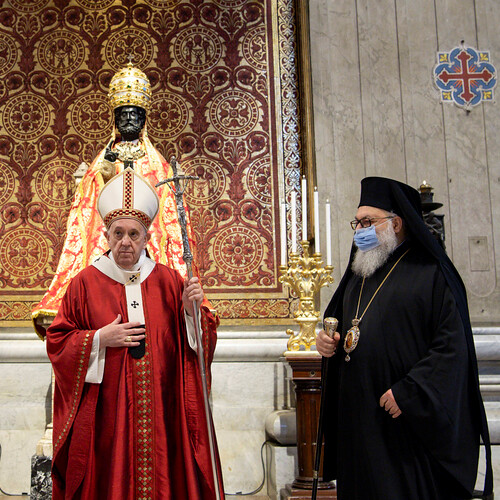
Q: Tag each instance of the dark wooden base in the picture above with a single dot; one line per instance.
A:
(302, 494)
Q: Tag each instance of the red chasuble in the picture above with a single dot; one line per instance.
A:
(142, 432)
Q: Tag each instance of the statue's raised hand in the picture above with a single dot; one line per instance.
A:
(110, 155)
(108, 167)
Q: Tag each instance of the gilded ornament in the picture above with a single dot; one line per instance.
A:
(305, 275)
(129, 151)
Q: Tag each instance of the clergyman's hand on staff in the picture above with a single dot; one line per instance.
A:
(118, 334)
(192, 293)
(326, 345)
(389, 404)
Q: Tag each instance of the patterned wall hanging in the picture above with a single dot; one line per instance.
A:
(225, 101)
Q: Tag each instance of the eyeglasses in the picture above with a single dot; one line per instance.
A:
(367, 221)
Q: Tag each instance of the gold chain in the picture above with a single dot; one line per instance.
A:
(376, 291)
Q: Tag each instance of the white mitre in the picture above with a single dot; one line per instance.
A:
(128, 195)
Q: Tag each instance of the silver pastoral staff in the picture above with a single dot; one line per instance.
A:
(180, 182)
(178, 191)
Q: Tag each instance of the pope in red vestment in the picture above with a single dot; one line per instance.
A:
(130, 427)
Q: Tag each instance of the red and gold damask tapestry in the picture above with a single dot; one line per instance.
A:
(225, 102)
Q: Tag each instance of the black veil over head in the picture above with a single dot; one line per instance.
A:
(403, 200)
(380, 192)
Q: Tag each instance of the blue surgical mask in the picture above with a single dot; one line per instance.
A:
(366, 238)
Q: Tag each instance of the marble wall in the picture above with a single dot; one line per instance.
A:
(377, 112)
(25, 405)
(250, 381)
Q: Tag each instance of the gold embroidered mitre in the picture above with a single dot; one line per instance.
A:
(129, 87)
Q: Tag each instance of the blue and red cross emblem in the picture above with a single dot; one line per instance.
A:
(465, 76)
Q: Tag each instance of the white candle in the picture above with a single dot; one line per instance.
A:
(317, 248)
(293, 209)
(304, 208)
(283, 233)
(328, 234)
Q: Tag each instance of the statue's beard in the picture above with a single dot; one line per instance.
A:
(366, 263)
(130, 130)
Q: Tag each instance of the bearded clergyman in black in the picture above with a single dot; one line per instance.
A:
(403, 411)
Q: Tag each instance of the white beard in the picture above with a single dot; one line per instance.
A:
(366, 263)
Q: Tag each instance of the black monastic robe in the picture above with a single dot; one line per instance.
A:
(411, 341)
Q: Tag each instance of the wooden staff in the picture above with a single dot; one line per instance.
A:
(329, 325)
(180, 182)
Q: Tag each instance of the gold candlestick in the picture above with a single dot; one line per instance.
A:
(305, 275)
